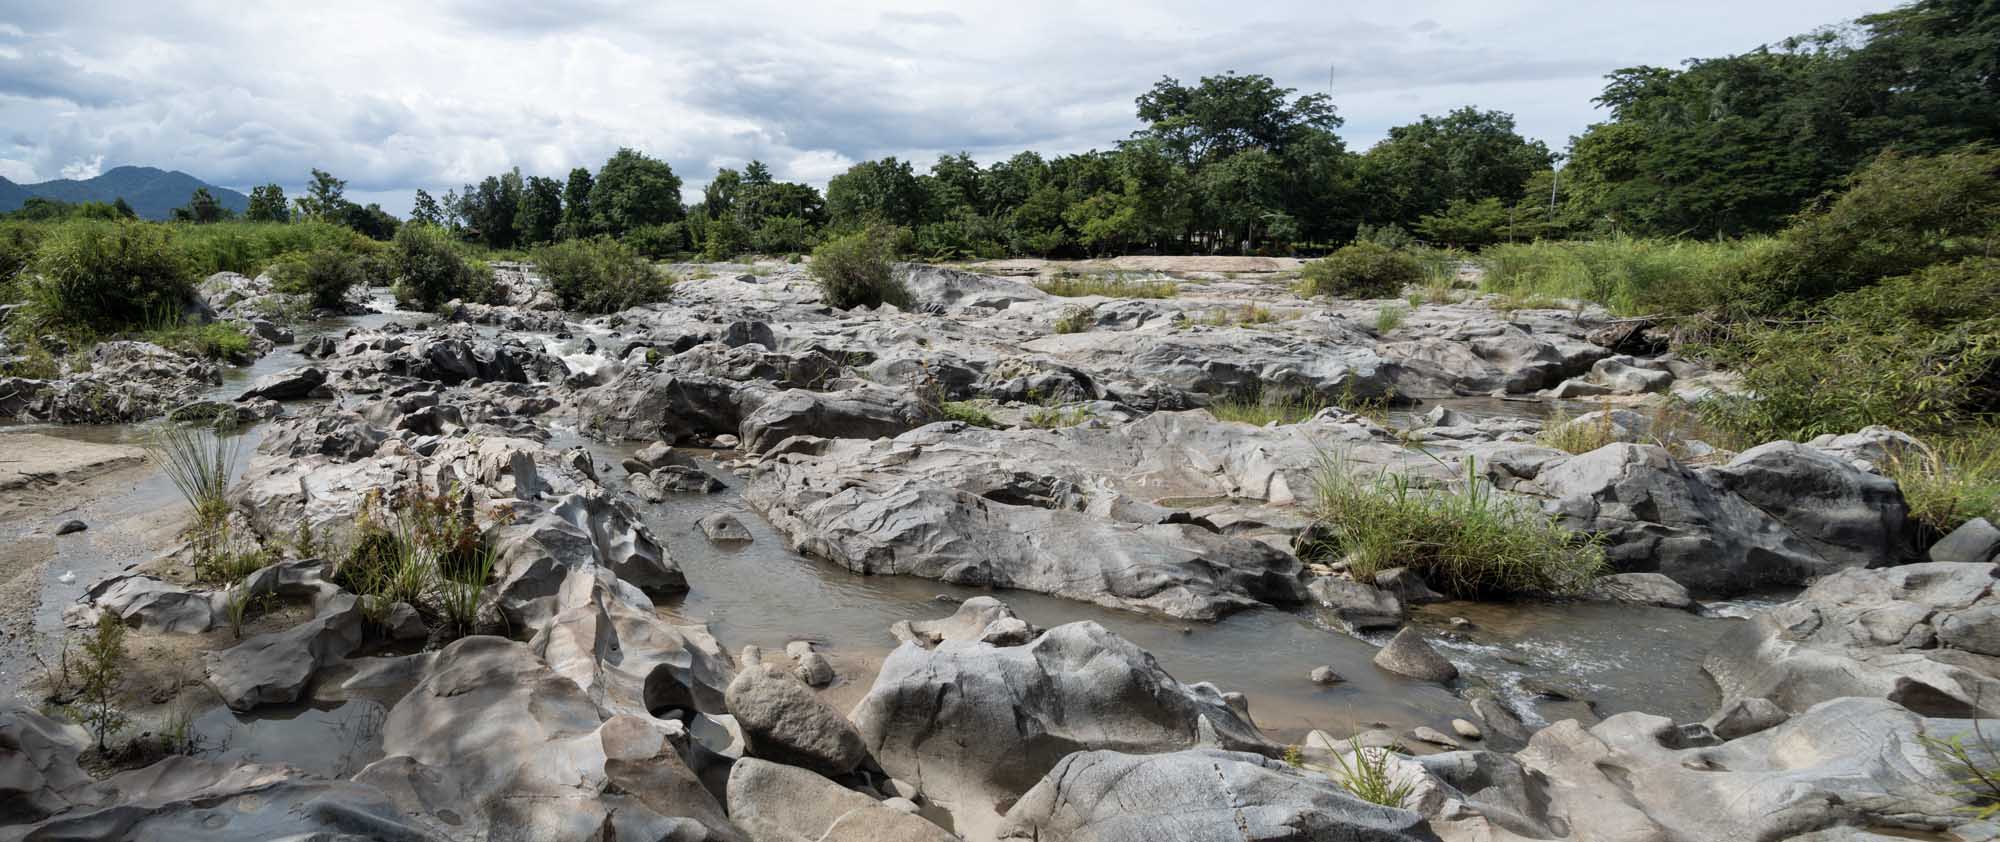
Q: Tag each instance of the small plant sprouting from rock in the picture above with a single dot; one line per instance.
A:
(1294, 757)
(1368, 778)
(177, 730)
(1389, 317)
(1076, 318)
(968, 412)
(101, 674)
(1974, 779)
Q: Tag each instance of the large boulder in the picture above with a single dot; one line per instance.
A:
(863, 412)
(1846, 516)
(784, 721)
(778, 803)
(290, 384)
(1919, 634)
(38, 768)
(606, 635)
(275, 667)
(975, 725)
(1107, 796)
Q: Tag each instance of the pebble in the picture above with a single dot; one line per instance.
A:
(1431, 735)
(1466, 729)
(70, 526)
(1325, 675)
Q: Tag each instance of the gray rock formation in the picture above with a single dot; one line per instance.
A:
(274, 668)
(974, 725)
(777, 803)
(784, 721)
(1106, 796)
(1917, 634)
(1408, 654)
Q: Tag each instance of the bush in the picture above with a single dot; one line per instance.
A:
(1114, 285)
(1362, 270)
(324, 275)
(1627, 275)
(18, 243)
(431, 271)
(657, 242)
(1898, 214)
(248, 247)
(1466, 540)
(213, 340)
(599, 275)
(854, 270)
(108, 276)
(103, 673)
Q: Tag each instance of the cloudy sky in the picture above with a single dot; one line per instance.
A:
(394, 96)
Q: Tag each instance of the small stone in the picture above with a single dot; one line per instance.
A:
(404, 623)
(811, 667)
(1976, 541)
(723, 527)
(1325, 675)
(1431, 735)
(1743, 717)
(1553, 688)
(727, 440)
(901, 804)
(947, 599)
(1007, 631)
(899, 788)
(71, 526)
(1466, 729)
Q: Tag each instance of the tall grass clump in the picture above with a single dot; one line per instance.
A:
(106, 276)
(248, 248)
(200, 459)
(325, 275)
(1465, 539)
(1367, 776)
(431, 270)
(599, 275)
(856, 270)
(1952, 479)
(1262, 408)
(1628, 275)
(1114, 285)
(1361, 270)
(212, 340)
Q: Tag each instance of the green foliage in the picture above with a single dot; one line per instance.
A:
(432, 271)
(212, 340)
(633, 190)
(200, 459)
(1954, 478)
(1364, 773)
(202, 209)
(101, 674)
(599, 275)
(1361, 270)
(1629, 276)
(267, 204)
(248, 248)
(968, 412)
(657, 242)
(325, 275)
(1468, 223)
(1973, 772)
(1113, 285)
(1388, 317)
(854, 270)
(1264, 409)
(1076, 318)
(539, 211)
(107, 276)
(1465, 539)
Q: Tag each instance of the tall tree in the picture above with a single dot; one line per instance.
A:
(425, 210)
(324, 196)
(632, 190)
(202, 208)
(875, 192)
(540, 211)
(576, 221)
(267, 204)
(1465, 155)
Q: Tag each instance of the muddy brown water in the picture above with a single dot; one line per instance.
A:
(1619, 658)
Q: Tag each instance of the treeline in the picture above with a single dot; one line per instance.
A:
(1236, 164)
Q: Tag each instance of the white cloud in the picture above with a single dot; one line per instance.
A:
(396, 96)
(81, 169)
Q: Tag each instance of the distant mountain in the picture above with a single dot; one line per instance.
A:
(12, 195)
(153, 193)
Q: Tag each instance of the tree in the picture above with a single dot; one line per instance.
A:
(632, 190)
(370, 220)
(1467, 155)
(424, 210)
(882, 192)
(124, 210)
(324, 196)
(267, 204)
(490, 208)
(540, 211)
(718, 199)
(576, 220)
(202, 208)
(1227, 114)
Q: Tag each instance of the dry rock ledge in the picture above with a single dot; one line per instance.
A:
(577, 710)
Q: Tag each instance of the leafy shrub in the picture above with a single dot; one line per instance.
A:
(1898, 214)
(431, 271)
(1076, 318)
(599, 275)
(103, 672)
(107, 276)
(248, 247)
(1467, 223)
(1361, 270)
(324, 275)
(1953, 479)
(854, 270)
(783, 234)
(1465, 539)
(213, 340)
(18, 243)
(1627, 275)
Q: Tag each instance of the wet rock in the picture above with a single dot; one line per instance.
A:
(1325, 676)
(684, 480)
(777, 803)
(1869, 633)
(71, 527)
(288, 385)
(1974, 542)
(1408, 654)
(723, 527)
(274, 668)
(1640, 589)
(1466, 729)
(1007, 631)
(784, 721)
(1107, 796)
(810, 666)
(1743, 717)
(1356, 605)
(1427, 734)
(978, 724)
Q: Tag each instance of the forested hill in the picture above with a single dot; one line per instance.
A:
(152, 193)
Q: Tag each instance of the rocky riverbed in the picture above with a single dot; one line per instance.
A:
(991, 567)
